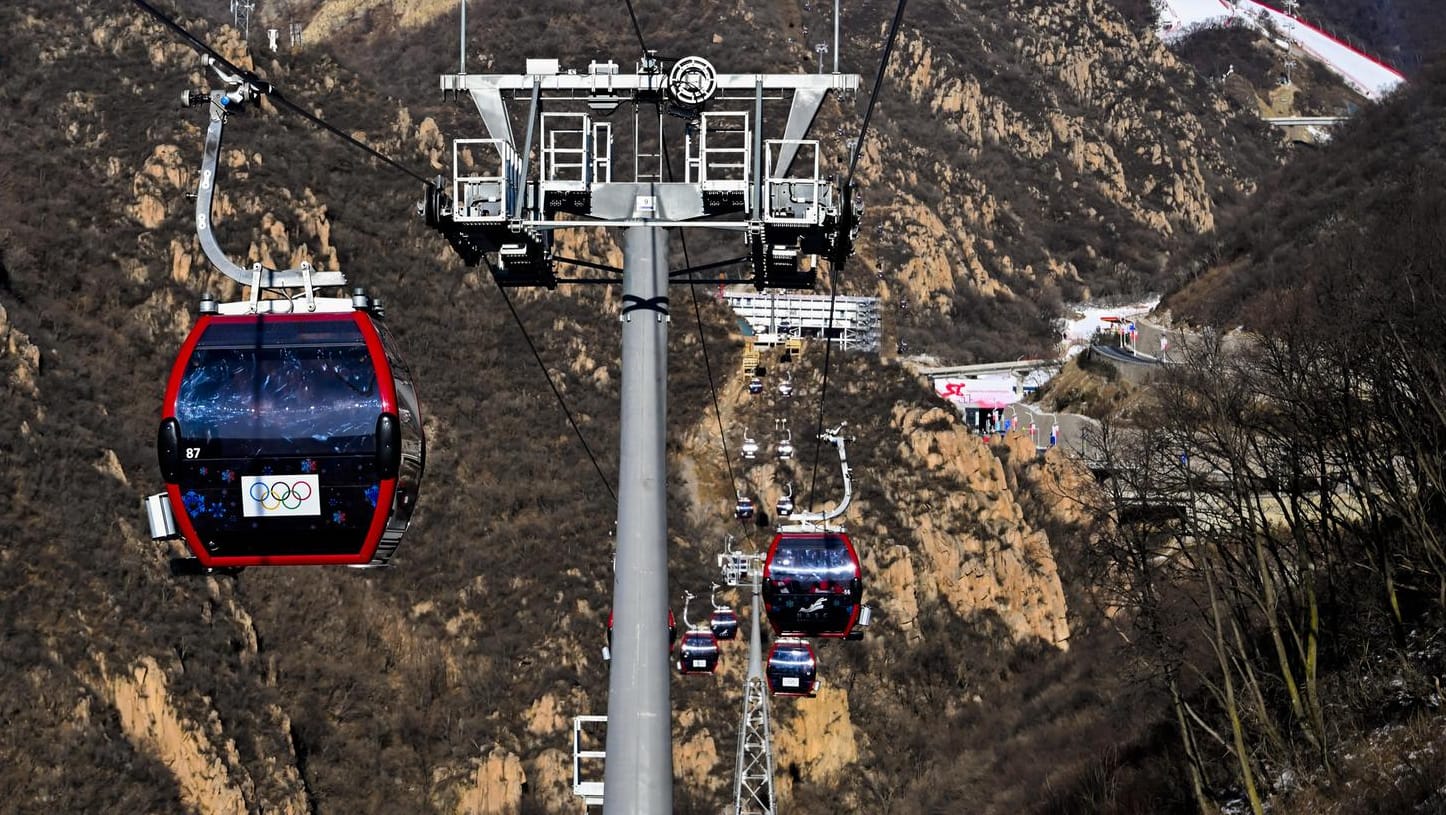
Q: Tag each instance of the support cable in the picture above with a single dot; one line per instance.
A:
(693, 288)
(874, 94)
(281, 100)
(685, 272)
(833, 272)
(266, 88)
(555, 392)
(698, 317)
(823, 390)
(704, 267)
(708, 367)
(637, 29)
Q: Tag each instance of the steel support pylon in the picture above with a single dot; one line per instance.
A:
(504, 208)
(638, 774)
(753, 777)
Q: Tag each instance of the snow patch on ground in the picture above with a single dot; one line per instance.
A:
(1367, 76)
(1082, 321)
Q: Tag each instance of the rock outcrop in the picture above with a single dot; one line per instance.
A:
(696, 759)
(203, 759)
(969, 544)
(484, 786)
(818, 738)
(23, 359)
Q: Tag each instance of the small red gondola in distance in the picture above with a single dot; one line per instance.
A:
(792, 668)
(812, 584)
(699, 653)
(724, 623)
(291, 438)
(743, 510)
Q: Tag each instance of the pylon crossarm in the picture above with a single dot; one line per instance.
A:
(506, 199)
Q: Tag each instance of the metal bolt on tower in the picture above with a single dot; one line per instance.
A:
(505, 202)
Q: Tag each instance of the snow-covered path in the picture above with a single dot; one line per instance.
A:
(1366, 75)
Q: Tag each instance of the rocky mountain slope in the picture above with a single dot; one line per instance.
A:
(1024, 154)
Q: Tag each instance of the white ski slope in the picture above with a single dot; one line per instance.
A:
(1367, 76)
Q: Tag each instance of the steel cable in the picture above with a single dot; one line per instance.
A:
(833, 272)
(555, 392)
(267, 89)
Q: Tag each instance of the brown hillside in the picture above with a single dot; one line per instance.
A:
(1370, 193)
(1024, 154)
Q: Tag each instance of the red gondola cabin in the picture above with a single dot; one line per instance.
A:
(291, 439)
(699, 653)
(812, 584)
(724, 623)
(792, 668)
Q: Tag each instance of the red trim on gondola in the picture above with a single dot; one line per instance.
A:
(183, 521)
(386, 492)
(374, 536)
(387, 384)
(178, 368)
(858, 575)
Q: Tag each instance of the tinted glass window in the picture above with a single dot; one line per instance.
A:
(819, 557)
(792, 658)
(280, 388)
(407, 405)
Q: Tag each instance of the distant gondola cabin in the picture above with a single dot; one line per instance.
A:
(724, 623)
(699, 653)
(784, 507)
(792, 668)
(743, 510)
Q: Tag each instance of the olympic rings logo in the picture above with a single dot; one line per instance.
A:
(280, 494)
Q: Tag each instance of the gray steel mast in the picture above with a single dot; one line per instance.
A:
(639, 769)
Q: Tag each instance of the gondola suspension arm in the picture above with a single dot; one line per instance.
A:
(239, 92)
(687, 598)
(836, 438)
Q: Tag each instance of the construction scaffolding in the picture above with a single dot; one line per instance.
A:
(776, 319)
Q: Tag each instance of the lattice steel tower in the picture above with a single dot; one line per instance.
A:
(753, 773)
